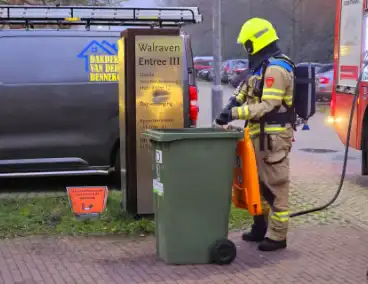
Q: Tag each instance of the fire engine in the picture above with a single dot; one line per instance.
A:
(351, 44)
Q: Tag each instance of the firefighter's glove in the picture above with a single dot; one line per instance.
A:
(224, 117)
(232, 103)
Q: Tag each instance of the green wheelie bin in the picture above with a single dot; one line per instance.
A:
(192, 178)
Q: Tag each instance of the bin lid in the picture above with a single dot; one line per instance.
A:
(173, 134)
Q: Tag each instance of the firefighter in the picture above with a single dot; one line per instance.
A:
(264, 101)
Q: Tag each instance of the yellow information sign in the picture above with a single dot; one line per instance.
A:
(159, 99)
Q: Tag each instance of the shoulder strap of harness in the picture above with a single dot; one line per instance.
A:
(286, 63)
(282, 61)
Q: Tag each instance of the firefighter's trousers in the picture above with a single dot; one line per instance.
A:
(273, 169)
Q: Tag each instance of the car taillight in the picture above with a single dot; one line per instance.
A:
(238, 71)
(193, 105)
(323, 80)
(226, 68)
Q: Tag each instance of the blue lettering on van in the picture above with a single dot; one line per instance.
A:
(97, 48)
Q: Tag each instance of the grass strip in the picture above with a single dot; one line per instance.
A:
(48, 215)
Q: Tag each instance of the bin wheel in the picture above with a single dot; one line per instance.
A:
(223, 252)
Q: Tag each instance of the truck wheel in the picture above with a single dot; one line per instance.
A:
(223, 252)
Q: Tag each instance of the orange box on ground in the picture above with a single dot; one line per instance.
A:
(87, 199)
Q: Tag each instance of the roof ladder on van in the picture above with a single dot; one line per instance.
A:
(30, 16)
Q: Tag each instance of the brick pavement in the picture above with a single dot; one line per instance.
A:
(323, 254)
(318, 254)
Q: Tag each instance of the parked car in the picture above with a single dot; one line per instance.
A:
(203, 74)
(210, 75)
(202, 63)
(227, 68)
(235, 81)
(324, 85)
(317, 65)
(236, 76)
(203, 58)
(54, 120)
(326, 67)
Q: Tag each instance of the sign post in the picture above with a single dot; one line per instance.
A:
(150, 96)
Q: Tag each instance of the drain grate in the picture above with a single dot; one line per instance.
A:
(318, 150)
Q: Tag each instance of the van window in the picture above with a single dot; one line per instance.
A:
(49, 59)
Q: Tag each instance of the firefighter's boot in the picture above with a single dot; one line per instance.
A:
(271, 245)
(258, 230)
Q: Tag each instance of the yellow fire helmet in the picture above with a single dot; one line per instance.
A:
(256, 34)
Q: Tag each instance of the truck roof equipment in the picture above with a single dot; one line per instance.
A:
(30, 16)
